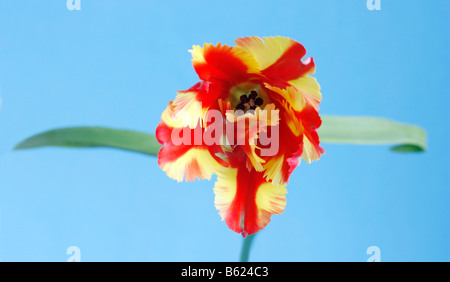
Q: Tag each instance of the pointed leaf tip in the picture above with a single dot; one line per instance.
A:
(90, 137)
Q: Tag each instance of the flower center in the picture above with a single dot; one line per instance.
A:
(249, 101)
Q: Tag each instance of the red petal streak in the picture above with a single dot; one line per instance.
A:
(311, 121)
(170, 153)
(163, 133)
(289, 66)
(220, 63)
(243, 212)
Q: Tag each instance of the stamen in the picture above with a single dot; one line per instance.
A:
(250, 101)
(244, 99)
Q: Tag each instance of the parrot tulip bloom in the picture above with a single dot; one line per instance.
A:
(250, 120)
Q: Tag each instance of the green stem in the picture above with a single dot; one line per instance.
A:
(246, 246)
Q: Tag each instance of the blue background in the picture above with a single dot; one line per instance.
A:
(118, 63)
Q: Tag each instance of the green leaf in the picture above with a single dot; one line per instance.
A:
(372, 131)
(91, 137)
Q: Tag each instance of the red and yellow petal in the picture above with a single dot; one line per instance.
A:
(187, 163)
(279, 58)
(279, 168)
(222, 62)
(246, 128)
(187, 157)
(188, 110)
(308, 87)
(299, 123)
(266, 50)
(291, 95)
(311, 144)
(245, 200)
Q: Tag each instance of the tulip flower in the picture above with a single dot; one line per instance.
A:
(250, 120)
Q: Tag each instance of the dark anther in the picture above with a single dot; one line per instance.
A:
(244, 99)
(249, 102)
(240, 107)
